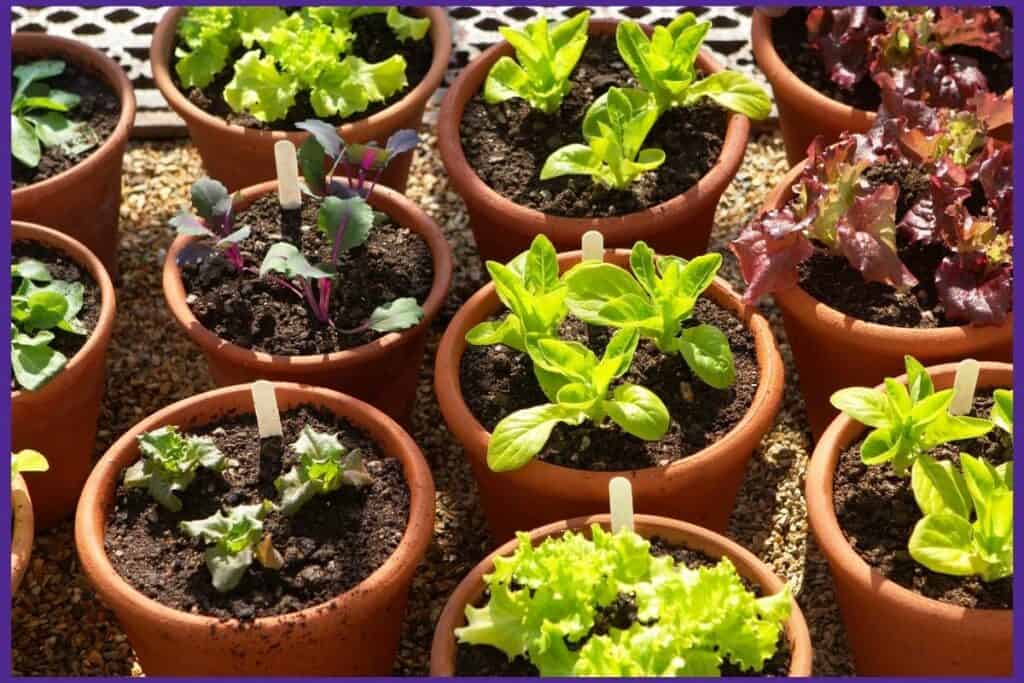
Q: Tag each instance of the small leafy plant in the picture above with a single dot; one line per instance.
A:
(544, 61)
(39, 115)
(40, 306)
(28, 460)
(545, 601)
(325, 465)
(234, 536)
(169, 461)
(1002, 411)
(214, 218)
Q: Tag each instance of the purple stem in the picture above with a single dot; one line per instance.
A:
(234, 256)
(338, 237)
(357, 329)
(311, 299)
(374, 182)
(325, 300)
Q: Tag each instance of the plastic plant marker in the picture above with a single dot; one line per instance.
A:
(592, 245)
(288, 192)
(264, 400)
(963, 387)
(620, 503)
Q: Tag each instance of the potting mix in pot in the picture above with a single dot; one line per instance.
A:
(580, 125)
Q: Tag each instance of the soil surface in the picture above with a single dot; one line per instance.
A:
(331, 544)
(497, 380)
(374, 42)
(484, 660)
(877, 513)
(61, 267)
(508, 143)
(264, 315)
(99, 107)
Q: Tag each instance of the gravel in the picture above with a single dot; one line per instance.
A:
(59, 627)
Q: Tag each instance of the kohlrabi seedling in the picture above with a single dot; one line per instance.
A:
(28, 460)
(908, 419)
(664, 66)
(234, 540)
(655, 300)
(214, 218)
(169, 461)
(38, 115)
(578, 386)
(325, 465)
(41, 305)
(544, 61)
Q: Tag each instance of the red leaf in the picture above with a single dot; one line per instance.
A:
(769, 251)
(866, 235)
(981, 27)
(973, 293)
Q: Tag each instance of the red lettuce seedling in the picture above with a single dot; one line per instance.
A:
(325, 465)
(215, 220)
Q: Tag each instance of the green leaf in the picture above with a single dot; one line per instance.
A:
(641, 262)
(32, 72)
(638, 411)
(521, 435)
(939, 487)
(28, 460)
(24, 143)
(592, 285)
(698, 274)
(574, 159)
(864, 405)
(46, 308)
(931, 408)
(325, 465)
(198, 67)
(706, 350)
(349, 86)
(942, 542)
(169, 461)
(733, 91)
(31, 269)
(407, 28)
(356, 215)
(919, 382)
(207, 195)
(400, 314)
(1002, 410)
(899, 398)
(508, 331)
(881, 445)
(540, 272)
(285, 258)
(311, 162)
(946, 428)
(34, 365)
(259, 89)
(618, 356)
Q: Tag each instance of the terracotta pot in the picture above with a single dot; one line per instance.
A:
(23, 532)
(361, 625)
(239, 156)
(931, 638)
(539, 493)
(443, 649)
(824, 341)
(84, 201)
(502, 229)
(382, 373)
(59, 418)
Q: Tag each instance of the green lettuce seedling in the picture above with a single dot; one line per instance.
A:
(655, 300)
(908, 419)
(38, 115)
(614, 127)
(169, 462)
(325, 465)
(664, 65)
(578, 385)
(967, 528)
(545, 62)
(41, 305)
(234, 537)
(28, 460)
(1002, 411)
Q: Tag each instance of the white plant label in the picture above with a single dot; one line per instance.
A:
(288, 192)
(964, 384)
(264, 400)
(592, 245)
(620, 503)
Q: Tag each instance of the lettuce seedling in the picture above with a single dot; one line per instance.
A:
(214, 218)
(325, 465)
(908, 419)
(664, 65)
(169, 461)
(234, 537)
(1002, 411)
(614, 127)
(38, 115)
(41, 305)
(28, 460)
(967, 528)
(544, 61)
(655, 300)
(578, 386)
(544, 603)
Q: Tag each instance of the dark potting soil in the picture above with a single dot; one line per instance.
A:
(374, 42)
(264, 315)
(329, 546)
(497, 380)
(484, 660)
(877, 513)
(508, 143)
(99, 107)
(62, 267)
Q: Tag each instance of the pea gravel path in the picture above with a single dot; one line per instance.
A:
(61, 628)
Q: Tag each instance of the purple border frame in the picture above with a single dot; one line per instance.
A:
(5, 417)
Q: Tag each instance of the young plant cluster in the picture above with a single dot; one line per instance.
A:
(168, 464)
(307, 50)
(617, 123)
(650, 301)
(967, 523)
(968, 211)
(545, 601)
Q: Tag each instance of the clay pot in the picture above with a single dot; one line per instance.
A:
(239, 156)
(443, 649)
(700, 488)
(83, 201)
(926, 637)
(59, 418)
(23, 533)
(382, 373)
(825, 341)
(502, 229)
(355, 633)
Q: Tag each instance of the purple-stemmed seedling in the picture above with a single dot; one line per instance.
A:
(214, 218)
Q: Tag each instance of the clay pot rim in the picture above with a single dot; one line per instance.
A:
(23, 534)
(802, 305)
(747, 564)
(475, 437)
(113, 76)
(842, 432)
(613, 227)
(365, 128)
(384, 199)
(90, 524)
(80, 254)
